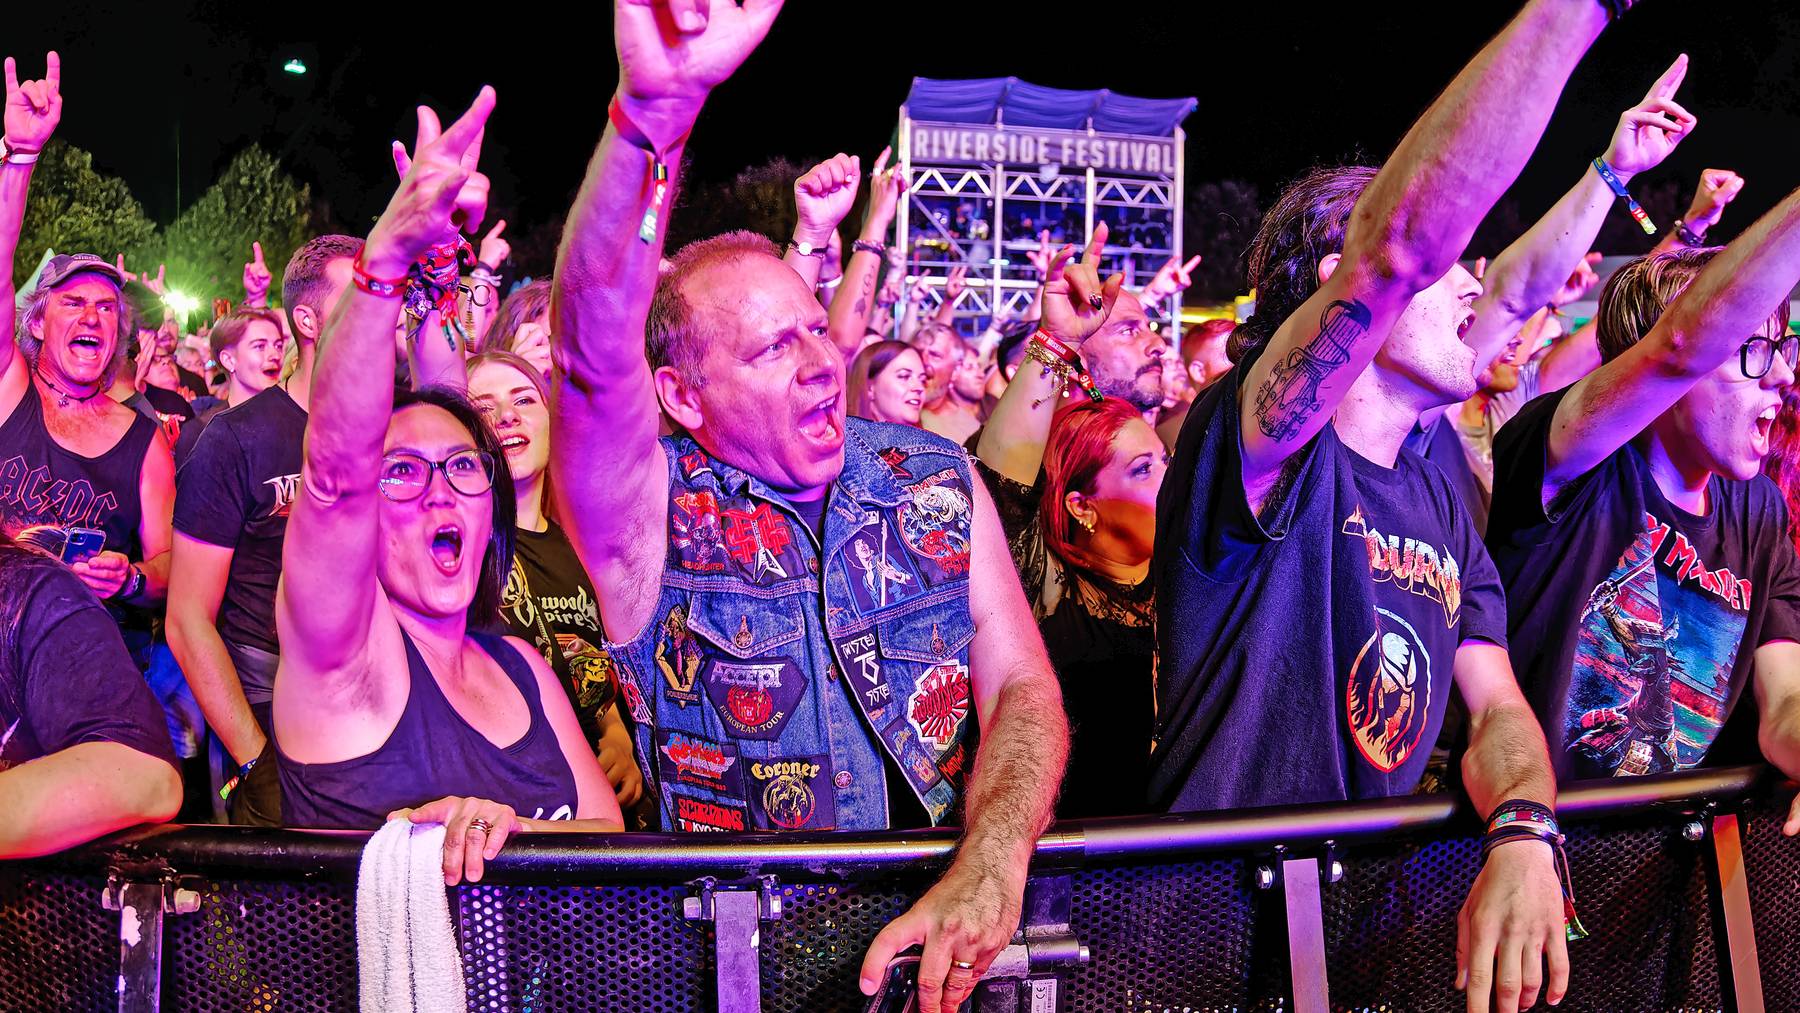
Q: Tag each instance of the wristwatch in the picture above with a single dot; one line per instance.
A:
(806, 249)
(132, 587)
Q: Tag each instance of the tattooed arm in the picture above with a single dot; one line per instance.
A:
(1409, 227)
(855, 298)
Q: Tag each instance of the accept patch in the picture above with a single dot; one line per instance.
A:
(754, 698)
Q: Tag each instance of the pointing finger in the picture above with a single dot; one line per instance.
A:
(428, 130)
(53, 71)
(467, 129)
(257, 249)
(499, 227)
(881, 160)
(402, 163)
(1096, 245)
(1671, 79)
(12, 76)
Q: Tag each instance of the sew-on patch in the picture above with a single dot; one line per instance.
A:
(697, 815)
(754, 698)
(703, 763)
(793, 794)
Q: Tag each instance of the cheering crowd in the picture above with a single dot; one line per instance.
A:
(737, 537)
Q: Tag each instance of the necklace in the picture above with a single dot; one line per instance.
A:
(63, 397)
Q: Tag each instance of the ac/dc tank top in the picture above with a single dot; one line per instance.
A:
(41, 482)
(431, 753)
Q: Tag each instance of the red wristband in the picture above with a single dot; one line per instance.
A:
(384, 287)
(1056, 347)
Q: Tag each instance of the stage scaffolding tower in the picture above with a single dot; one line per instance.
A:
(993, 162)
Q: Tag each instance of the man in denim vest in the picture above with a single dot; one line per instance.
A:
(815, 619)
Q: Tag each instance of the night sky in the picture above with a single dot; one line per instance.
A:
(1281, 86)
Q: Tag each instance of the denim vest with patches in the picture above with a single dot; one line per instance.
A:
(766, 697)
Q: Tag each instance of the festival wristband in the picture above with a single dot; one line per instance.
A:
(1523, 819)
(1618, 188)
(865, 246)
(1056, 347)
(232, 785)
(387, 288)
(659, 166)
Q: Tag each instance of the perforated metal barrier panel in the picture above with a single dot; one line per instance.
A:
(1189, 935)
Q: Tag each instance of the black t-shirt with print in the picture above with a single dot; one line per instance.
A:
(1306, 654)
(550, 604)
(65, 676)
(1634, 623)
(235, 491)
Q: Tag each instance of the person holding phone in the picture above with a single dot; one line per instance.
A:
(70, 455)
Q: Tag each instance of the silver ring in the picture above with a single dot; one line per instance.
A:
(482, 825)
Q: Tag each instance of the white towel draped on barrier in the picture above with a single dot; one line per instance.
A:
(406, 955)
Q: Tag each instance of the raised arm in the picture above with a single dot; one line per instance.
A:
(328, 591)
(1524, 277)
(822, 198)
(1012, 442)
(1717, 189)
(855, 297)
(1411, 225)
(33, 109)
(437, 346)
(610, 483)
(1727, 303)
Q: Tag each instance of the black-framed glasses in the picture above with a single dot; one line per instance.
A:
(1758, 354)
(405, 475)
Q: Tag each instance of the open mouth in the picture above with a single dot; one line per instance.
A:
(273, 371)
(1462, 328)
(446, 548)
(515, 444)
(822, 425)
(85, 346)
(1764, 427)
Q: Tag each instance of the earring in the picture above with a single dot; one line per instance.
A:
(1087, 523)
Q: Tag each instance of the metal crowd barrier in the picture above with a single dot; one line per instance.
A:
(1684, 881)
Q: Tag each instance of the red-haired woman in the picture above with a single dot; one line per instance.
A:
(1081, 535)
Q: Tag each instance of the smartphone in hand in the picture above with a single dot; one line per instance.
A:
(899, 991)
(82, 544)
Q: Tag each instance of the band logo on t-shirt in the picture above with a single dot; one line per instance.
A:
(1387, 695)
(285, 488)
(1411, 565)
(1653, 663)
(44, 498)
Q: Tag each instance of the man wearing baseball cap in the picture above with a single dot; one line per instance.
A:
(70, 456)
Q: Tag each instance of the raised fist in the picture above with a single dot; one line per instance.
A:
(425, 207)
(1649, 131)
(823, 196)
(1718, 187)
(34, 108)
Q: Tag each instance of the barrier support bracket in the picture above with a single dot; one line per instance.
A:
(737, 911)
(1306, 934)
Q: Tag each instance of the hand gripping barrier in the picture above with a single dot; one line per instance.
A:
(1684, 881)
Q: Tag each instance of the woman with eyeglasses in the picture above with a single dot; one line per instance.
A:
(389, 702)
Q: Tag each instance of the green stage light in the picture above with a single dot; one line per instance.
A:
(294, 66)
